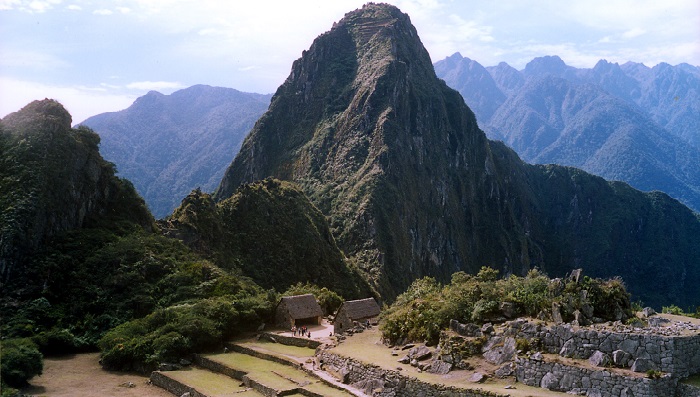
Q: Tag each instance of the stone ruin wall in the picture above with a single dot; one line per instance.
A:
(592, 382)
(678, 355)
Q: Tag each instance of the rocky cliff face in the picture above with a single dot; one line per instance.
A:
(411, 185)
(387, 151)
(53, 180)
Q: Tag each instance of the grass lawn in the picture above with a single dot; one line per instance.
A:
(212, 384)
(275, 375)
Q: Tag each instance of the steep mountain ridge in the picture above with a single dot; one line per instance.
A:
(53, 180)
(170, 144)
(412, 187)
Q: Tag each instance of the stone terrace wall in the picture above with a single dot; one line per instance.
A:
(291, 340)
(379, 382)
(555, 376)
(679, 355)
(173, 386)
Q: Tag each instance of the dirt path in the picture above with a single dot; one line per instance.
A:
(81, 375)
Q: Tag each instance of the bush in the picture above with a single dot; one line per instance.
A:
(21, 361)
(167, 335)
(427, 307)
(673, 309)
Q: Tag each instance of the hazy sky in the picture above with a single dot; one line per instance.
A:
(99, 56)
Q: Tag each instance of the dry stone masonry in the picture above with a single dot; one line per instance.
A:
(651, 359)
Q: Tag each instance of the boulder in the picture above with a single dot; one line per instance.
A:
(599, 359)
(405, 360)
(487, 328)
(648, 312)
(420, 353)
(505, 370)
(440, 367)
(468, 329)
(499, 350)
(549, 381)
(568, 349)
(642, 365)
(478, 377)
(621, 358)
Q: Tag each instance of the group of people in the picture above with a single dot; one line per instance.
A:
(303, 331)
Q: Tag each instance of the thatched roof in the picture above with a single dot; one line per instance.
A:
(302, 306)
(361, 308)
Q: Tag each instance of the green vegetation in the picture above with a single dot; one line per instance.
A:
(654, 374)
(21, 360)
(673, 309)
(272, 233)
(422, 312)
(167, 335)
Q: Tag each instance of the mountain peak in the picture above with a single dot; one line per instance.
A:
(547, 64)
(53, 116)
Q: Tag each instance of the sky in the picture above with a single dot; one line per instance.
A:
(99, 56)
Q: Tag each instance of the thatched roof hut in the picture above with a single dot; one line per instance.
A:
(298, 310)
(360, 310)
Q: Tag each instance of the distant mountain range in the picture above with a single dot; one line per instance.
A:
(631, 123)
(168, 145)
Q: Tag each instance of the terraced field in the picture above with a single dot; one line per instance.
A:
(267, 369)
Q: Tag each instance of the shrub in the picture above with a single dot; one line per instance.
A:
(21, 361)
(673, 309)
(522, 344)
(653, 374)
(179, 331)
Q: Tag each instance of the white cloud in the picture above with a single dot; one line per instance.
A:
(103, 11)
(42, 6)
(74, 7)
(124, 10)
(8, 4)
(154, 85)
(634, 32)
(81, 102)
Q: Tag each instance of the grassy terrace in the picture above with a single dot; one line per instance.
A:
(275, 375)
(367, 348)
(294, 353)
(212, 384)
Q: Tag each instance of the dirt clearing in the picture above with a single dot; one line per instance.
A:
(81, 375)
